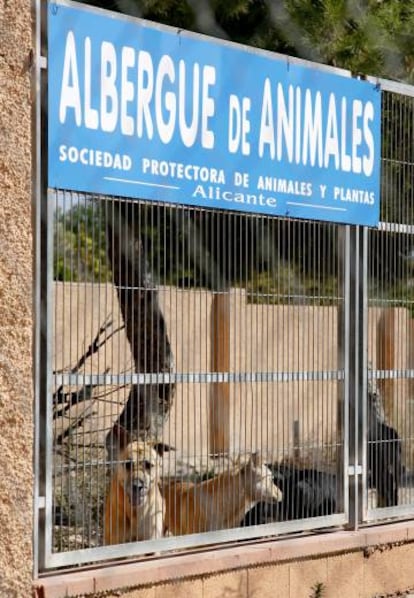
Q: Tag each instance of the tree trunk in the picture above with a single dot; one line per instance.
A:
(147, 405)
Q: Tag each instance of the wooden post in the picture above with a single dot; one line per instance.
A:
(219, 414)
(386, 358)
(409, 408)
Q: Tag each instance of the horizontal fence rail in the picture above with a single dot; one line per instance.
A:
(206, 377)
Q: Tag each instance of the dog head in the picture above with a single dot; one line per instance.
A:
(259, 480)
(138, 471)
(138, 464)
(133, 505)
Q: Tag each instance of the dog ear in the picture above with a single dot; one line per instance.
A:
(116, 441)
(162, 448)
(256, 459)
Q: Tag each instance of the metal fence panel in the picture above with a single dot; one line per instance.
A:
(215, 334)
(389, 414)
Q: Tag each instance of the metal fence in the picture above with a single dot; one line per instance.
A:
(209, 377)
(389, 412)
(214, 334)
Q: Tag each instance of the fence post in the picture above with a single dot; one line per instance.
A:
(219, 407)
(356, 306)
(43, 271)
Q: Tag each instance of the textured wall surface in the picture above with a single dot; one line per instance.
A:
(16, 394)
(367, 563)
(351, 575)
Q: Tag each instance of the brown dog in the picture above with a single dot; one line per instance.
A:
(218, 503)
(134, 506)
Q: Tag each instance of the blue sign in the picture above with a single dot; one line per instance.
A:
(151, 112)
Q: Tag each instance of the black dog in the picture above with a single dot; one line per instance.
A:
(312, 493)
(261, 513)
(384, 455)
(305, 493)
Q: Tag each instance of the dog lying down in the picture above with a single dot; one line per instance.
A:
(134, 507)
(139, 507)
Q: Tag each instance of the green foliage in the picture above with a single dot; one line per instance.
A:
(370, 36)
(397, 181)
(177, 13)
(373, 37)
(80, 245)
(400, 294)
(289, 285)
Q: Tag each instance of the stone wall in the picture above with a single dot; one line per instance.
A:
(16, 388)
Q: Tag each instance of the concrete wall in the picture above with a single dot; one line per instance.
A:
(353, 575)
(263, 338)
(16, 395)
(366, 563)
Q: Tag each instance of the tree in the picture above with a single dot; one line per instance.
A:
(80, 242)
(368, 37)
(145, 327)
(373, 37)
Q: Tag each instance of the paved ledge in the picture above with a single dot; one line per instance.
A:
(219, 560)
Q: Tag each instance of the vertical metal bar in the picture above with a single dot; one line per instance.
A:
(357, 374)
(363, 375)
(353, 383)
(37, 188)
(47, 392)
(342, 431)
(44, 316)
